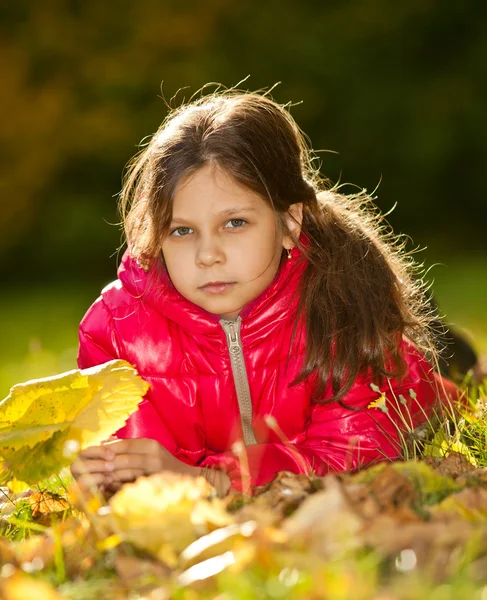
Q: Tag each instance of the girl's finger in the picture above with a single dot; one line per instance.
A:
(81, 467)
(91, 480)
(96, 452)
(123, 475)
(134, 446)
(143, 462)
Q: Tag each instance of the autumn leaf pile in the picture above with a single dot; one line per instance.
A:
(395, 531)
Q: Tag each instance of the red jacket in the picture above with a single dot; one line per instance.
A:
(193, 408)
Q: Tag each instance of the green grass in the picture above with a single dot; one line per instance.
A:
(39, 331)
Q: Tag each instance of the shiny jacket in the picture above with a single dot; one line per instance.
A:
(215, 383)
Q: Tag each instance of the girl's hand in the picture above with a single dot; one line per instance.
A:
(117, 461)
(92, 468)
(134, 457)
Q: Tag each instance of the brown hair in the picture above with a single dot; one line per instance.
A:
(361, 294)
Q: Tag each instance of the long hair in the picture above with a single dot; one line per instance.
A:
(360, 295)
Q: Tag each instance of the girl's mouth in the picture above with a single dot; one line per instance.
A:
(217, 288)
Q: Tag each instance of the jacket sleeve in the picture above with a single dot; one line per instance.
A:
(97, 337)
(98, 344)
(339, 439)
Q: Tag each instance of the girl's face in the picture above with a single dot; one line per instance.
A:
(223, 233)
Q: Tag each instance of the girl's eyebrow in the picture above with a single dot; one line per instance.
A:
(224, 213)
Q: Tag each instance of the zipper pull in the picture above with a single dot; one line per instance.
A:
(234, 342)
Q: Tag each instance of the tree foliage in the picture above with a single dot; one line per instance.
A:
(397, 91)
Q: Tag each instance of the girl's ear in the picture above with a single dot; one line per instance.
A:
(294, 220)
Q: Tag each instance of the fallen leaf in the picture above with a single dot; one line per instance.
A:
(392, 489)
(453, 465)
(431, 487)
(473, 477)
(134, 570)
(164, 513)
(395, 501)
(22, 587)
(470, 504)
(326, 522)
(286, 491)
(361, 499)
(278, 499)
(45, 422)
(46, 505)
(442, 445)
(438, 547)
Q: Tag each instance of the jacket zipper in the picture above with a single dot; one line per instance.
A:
(232, 331)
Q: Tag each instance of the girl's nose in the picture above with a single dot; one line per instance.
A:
(209, 253)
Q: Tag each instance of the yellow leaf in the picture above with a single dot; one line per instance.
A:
(45, 422)
(14, 485)
(112, 541)
(44, 503)
(470, 504)
(441, 446)
(20, 587)
(162, 513)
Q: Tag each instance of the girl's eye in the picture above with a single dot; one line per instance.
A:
(184, 231)
(181, 231)
(237, 223)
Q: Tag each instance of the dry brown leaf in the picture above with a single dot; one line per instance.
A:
(276, 500)
(299, 484)
(46, 505)
(403, 514)
(389, 493)
(133, 570)
(453, 465)
(477, 476)
(259, 512)
(391, 489)
(285, 493)
(436, 545)
(326, 522)
(362, 500)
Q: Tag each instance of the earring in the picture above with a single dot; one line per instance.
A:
(289, 253)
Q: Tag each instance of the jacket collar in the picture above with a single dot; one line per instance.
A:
(275, 303)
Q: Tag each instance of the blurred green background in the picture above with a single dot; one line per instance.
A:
(395, 91)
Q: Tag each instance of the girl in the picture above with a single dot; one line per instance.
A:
(277, 324)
